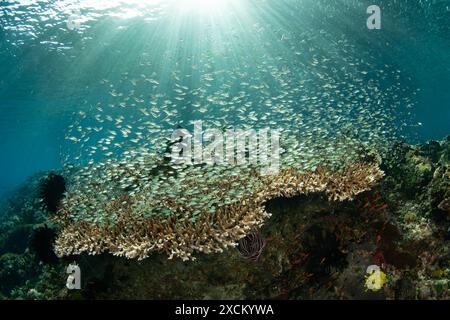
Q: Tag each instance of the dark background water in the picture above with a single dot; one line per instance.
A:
(43, 76)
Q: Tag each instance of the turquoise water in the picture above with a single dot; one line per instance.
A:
(309, 67)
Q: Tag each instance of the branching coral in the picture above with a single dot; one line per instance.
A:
(179, 223)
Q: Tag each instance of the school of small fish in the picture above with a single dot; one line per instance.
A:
(244, 66)
(331, 104)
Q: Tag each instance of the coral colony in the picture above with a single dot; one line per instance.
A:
(168, 215)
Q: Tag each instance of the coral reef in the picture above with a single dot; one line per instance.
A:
(440, 189)
(316, 246)
(133, 235)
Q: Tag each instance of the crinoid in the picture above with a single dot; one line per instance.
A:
(251, 246)
(52, 190)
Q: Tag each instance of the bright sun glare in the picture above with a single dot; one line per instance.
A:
(203, 5)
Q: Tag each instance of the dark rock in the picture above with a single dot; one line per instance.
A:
(324, 252)
(405, 289)
(16, 240)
